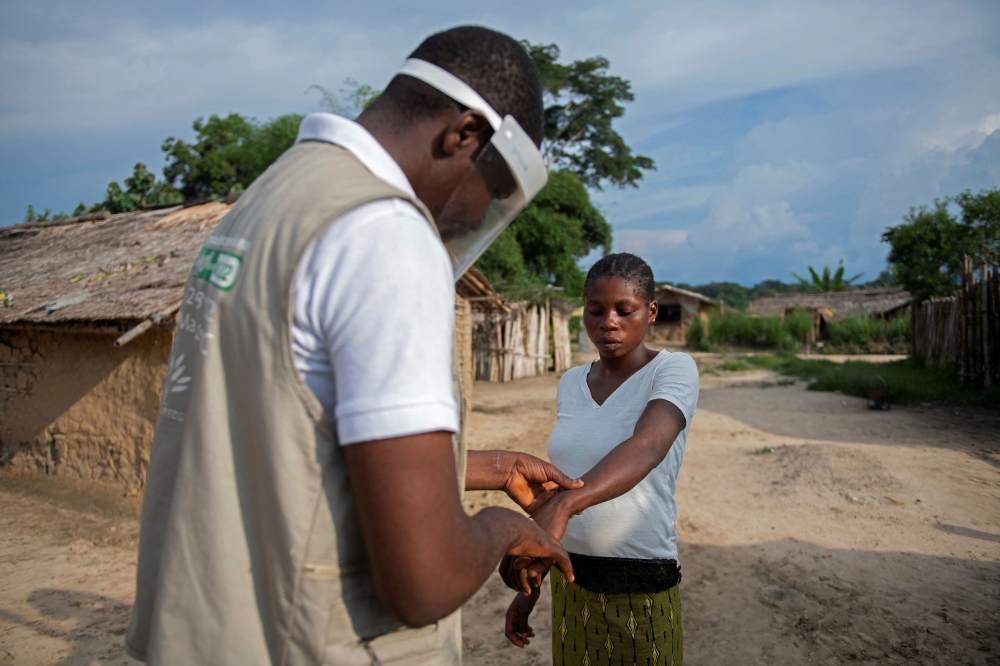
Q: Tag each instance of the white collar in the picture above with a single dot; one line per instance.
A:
(354, 138)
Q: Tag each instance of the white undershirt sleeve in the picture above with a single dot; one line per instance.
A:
(373, 324)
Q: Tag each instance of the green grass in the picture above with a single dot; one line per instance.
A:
(908, 380)
(736, 365)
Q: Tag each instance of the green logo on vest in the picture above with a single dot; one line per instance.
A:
(217, 267)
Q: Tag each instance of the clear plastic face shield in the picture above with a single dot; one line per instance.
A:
(507, 175)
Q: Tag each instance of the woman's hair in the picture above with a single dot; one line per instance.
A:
(628, 267)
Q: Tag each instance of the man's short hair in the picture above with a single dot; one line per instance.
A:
(493, 64)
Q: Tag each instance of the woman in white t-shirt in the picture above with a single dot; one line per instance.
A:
(623, 422)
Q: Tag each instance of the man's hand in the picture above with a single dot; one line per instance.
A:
(415, 528)
(516, 627)
(528, 480)
(532, 482)
(523, 573)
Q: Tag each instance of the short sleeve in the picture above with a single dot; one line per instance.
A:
(676, 381)
(374, 324)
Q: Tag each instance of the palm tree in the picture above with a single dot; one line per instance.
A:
(827, 282)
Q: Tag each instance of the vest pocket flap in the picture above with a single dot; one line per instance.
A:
(331, 570)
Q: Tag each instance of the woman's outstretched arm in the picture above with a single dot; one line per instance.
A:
(616, 474)
(619, 471)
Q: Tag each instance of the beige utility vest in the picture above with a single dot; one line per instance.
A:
(251, 549)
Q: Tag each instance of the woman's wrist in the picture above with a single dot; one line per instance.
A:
(571, 502)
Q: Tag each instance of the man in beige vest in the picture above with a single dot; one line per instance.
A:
(302, 503)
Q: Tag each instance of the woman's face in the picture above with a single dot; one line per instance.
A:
(616, 316)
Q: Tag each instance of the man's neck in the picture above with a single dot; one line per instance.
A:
(411, 149)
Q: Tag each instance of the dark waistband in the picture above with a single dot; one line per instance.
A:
(624, 575)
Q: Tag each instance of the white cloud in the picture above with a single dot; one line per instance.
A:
(704, 51)
(131, 75)
(646, 242)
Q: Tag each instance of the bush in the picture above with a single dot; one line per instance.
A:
(741, 330)
(852, 335)
(868, 334)
(697, 336)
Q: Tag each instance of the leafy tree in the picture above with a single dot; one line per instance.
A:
(927, 250)
(737, 296)
(545, 241)
(141, 191)
(981, 217)
(827, 282)
(772, 287)
(228, 153)
(350, 100)
(582, 150)
(582, 101)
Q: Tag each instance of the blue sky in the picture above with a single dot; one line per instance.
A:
(786, 134)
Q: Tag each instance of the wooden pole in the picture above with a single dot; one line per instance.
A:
(147, 324)
(987, 367)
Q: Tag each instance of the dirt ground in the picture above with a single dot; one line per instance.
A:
(812, 532)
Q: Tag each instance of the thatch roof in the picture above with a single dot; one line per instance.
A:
(474, 287)
(111, 271)
(836, 304)
(114, 270)
(668, 289)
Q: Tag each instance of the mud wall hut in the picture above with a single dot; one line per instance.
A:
(676, 309)
(85, 339)
(72, 402)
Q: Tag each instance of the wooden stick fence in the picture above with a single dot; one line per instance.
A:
(937, 325)
(980, 298)
(964, 330)
(526, 342)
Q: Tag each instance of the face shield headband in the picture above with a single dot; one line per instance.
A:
(507, 175)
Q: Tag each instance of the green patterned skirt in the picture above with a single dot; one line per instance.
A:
(618, 629)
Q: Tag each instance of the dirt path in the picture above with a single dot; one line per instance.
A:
(812, 532)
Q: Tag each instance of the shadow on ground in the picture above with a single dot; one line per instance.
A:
(791, 602)
(91, 625)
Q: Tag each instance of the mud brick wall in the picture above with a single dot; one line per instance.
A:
(71, 404)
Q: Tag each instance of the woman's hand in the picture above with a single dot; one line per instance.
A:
(506, 571)
(554, 515)
(516, 627)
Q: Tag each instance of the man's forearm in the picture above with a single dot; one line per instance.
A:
(425, 594)
(427, 555)
(487, 470)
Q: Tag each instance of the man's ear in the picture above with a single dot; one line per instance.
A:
(466, 134)
(653, 309)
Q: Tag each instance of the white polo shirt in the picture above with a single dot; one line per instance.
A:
(374, 308)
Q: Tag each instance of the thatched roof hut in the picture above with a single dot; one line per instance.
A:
(101, 274)
(885, 302)
(85, 339)
(71, 401)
